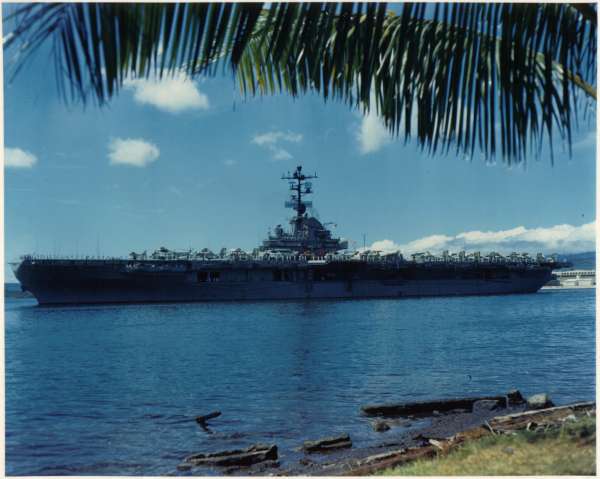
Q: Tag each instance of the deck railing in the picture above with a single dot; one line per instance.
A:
(266, 257)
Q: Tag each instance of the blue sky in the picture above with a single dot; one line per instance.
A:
(191, 164)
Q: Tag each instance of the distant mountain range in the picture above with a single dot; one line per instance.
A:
(581, 260)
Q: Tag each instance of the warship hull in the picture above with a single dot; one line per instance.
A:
(83, 282)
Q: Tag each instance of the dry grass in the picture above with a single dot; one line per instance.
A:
(562, 450)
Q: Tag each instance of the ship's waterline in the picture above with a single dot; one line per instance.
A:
(306, 262)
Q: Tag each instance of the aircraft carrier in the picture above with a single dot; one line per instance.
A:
(303, 261)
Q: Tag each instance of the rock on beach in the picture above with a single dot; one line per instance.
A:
(539, 401)
(381, 426)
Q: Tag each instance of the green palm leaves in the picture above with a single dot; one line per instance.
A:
(501, 79)
(98, 45)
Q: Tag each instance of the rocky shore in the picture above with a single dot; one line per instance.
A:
(412, 431)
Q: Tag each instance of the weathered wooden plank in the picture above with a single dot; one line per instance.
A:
(402, 457)
(328, 443)
(238, 457)
(539, 416)
(426, 407)
(574, 407)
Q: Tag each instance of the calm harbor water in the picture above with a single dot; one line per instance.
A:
(114, 389)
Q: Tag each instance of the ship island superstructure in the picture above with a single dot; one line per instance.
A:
(304, 262)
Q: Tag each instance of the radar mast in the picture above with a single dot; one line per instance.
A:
(308, 235)
(299, 187)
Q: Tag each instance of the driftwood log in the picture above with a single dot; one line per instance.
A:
(238, 457)
(327, 444)
(372, 464)
(552, 415)
(442, 405)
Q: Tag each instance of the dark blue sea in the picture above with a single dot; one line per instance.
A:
(115, 389)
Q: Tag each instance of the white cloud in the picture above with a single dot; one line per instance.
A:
(132, 151)
(281, 154)
(17, 158)
(272, 142)
(481, 237)
(173, 94)
(372, 134)
(273, 137)
(230, 162)
(554, 239)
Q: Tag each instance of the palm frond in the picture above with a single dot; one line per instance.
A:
(98, 45)
(502, 79)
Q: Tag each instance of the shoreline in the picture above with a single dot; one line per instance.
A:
(555, 441)
(447, 432)
(412, 431)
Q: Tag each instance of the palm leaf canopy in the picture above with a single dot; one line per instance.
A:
(501, 79)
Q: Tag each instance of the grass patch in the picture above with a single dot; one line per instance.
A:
(569, 449)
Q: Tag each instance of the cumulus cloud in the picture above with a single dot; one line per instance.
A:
(17, 158)
(372, 134)
(172, 94)
(555, 239)
(272, 142)
(132, 151)
(274, 137)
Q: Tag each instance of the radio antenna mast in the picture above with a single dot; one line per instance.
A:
(299, 186)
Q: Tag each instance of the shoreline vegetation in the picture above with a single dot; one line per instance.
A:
(563, 447)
